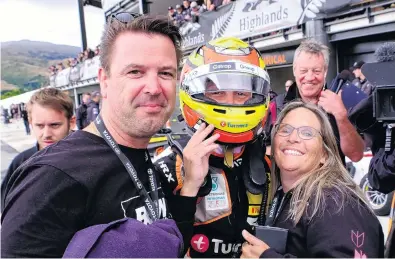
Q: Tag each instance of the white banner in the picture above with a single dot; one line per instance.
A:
(75, 73)
(268, 16)
(90, 68)
(62, 77)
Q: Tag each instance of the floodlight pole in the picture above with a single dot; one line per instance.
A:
(82, 24)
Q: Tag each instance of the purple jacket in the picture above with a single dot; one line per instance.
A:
(127, 238)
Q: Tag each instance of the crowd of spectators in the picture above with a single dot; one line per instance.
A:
(189, 11)
(72, 62)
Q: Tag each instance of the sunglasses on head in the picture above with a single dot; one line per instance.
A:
(125, 17)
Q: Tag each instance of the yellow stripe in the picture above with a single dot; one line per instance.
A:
(157, 139)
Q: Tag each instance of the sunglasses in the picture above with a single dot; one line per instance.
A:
(125, 17)
(304, 132)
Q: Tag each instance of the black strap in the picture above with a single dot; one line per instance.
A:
(150, 205)
(278, 204)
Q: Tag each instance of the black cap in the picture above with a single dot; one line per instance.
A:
(170, 8)
(358, 64)
(95, 93)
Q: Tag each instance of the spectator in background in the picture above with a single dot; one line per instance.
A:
(90, 53)
(73, 62)
(280, 98)
(187, 7)
(360, 79)
(93, 106)
(25, 118)
(171, 12)
(80, 57)
(59, 67)
(179, 16)
(213, 4)
(196, 10)
(52, 70)
(82, 113)
(310, 65)
(50, 112)
(97, 50)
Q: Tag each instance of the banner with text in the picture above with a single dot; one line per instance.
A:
(248, 18)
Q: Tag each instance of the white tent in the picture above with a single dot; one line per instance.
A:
(25, 97)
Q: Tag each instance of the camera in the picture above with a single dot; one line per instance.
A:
(375, 115)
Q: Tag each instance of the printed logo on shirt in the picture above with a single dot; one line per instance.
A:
(225, 248)
(166, 171)
(142, 214)
(358, 239)
(200, 243)
(217, 199)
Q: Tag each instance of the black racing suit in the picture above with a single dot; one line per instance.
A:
(225, 209)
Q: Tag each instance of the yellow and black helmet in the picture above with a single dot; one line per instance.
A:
(225, 65)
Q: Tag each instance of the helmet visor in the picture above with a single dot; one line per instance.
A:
(230, 88)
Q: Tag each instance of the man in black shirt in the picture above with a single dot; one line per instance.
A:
(25, 118)
(310, 67)
(80, 181)
(82, 113)
(93, 107)
(50, 112)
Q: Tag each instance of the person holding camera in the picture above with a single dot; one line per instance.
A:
(317, 210)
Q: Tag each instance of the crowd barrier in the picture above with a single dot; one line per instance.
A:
(80, 72)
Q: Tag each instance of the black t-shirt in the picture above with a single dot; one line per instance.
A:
(16, 162)
(73, 184)
(346, 232)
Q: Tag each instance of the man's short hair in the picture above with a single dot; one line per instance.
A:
(313, 47)
(86, 93)
(52, 98)
(143, 24)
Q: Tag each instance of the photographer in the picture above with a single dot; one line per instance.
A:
(375, 117)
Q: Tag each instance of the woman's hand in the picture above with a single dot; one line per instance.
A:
(253, 247)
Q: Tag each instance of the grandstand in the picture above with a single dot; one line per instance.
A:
(351, 28)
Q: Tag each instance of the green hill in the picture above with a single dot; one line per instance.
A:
(24, 64)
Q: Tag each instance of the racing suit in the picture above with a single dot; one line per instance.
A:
(229, 201)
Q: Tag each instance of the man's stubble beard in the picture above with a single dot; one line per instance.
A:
(143, 127)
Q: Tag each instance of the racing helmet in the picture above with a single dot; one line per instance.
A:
(222, 66)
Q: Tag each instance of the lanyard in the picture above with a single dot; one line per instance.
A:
(150, 205)
(277, 206)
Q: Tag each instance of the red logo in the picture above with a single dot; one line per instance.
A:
(200, 243)
(223, 124)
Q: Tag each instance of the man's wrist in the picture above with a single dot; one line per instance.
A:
(189, 191)
(341, 116)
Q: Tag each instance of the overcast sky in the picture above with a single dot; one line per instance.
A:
(55, 21)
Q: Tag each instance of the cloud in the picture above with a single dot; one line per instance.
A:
(48, 20)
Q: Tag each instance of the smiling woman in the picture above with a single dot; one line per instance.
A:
(315, 200)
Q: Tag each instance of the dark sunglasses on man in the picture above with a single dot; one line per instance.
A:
(125, 17)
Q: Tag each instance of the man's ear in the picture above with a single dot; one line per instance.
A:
(102, 76)
(72, 123)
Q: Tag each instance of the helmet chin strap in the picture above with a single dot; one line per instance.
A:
(228, 156)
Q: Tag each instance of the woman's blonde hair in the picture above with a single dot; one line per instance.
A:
(309, 192)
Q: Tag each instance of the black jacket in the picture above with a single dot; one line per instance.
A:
(351, 231)
(382, 177)
(16, 162)
(92, 111)
(81, 116)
